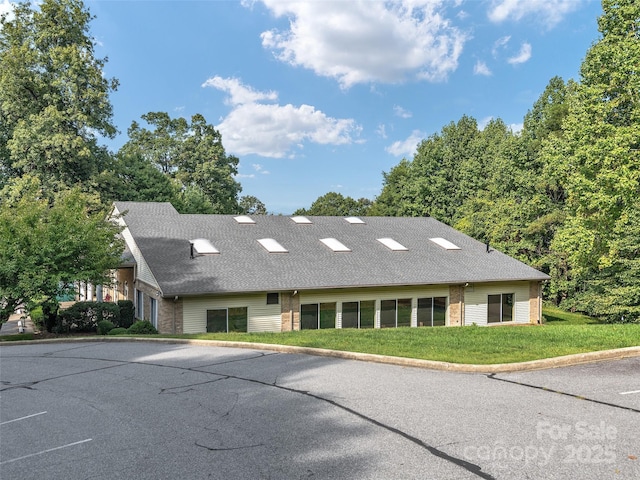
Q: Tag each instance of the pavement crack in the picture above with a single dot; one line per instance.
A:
(492, 376)
(227, 449)
(186, 388)
(28, 385)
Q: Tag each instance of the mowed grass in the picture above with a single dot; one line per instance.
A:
(469, 345)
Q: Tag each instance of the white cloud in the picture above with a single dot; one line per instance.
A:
(499, 44)
(516, 128)
(273, 130)
(482, 124)
(481, 68)
(361, 41)
(238, 94)
(258, 168)
(6, 7)
(406, 147)
(523, 55)
(401, 112)
(551, 12)
(381, 131)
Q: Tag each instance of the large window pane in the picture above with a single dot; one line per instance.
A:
(507, 307)
(387, 313)
(327, 315)
(217, 320)
(309, 316)
(404, 312)
(367, 314)
(238, 319)
(424, 312)
(439, 311)
(350, 315)
(493, 310)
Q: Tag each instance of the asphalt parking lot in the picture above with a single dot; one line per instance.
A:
(100, 410)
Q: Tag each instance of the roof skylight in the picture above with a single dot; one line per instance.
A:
(272, 246)
(202, 246)
(444, 243)
(301, 220)
(244, 219)
(391, 244)
(335, 245)
(354, 220)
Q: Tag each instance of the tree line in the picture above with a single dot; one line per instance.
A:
(562, 195)
(57, 181)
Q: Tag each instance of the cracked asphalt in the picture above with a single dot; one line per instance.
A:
(138, 410)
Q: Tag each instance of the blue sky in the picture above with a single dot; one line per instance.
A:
(323, 96)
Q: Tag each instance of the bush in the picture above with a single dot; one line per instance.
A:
(142, 327)
(37, 317)
(127, 313)
(117, 331)
(104, 327)
(85, 316)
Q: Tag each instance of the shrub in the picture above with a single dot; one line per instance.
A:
(37, 317)
(117, 331)
(142, 327)
(85, 316)
(104, 327)
(127, 313)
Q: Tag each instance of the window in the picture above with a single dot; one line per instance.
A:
(227, 320)
(139, 305)
(244, 220)
(391, 244)
(444, 243)
(153, 312)
(500, 308)
(314, 316)
(335, 245)
(301, 220)
(202, 246)
(354, 220)
(273, 298)
(432, 311)
(395, 313)
(359, 314)
(272, 246)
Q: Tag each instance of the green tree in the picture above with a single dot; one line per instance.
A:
(250, 205)
(336, 204)
(598, 158)
(54, 97)
(192, 154)
(48, 244)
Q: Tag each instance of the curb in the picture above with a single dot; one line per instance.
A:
(545, 363)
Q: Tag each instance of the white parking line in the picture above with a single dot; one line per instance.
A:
(23, 418)
(46, 451)
(629, 393)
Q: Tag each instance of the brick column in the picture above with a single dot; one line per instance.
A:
(290, 311)
(456, 305)
(535, 301)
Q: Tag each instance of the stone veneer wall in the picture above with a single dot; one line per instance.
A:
(456, 305)
(169, 310)
(535, 300)
(290, 304)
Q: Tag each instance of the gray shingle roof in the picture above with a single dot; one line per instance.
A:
(243, 265)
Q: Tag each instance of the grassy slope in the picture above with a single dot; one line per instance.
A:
(563, 334)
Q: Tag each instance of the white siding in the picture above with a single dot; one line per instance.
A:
(261, 317)
(378, 294)
(143, 272)
(475, 301)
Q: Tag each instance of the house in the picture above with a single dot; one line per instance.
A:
(199, 273)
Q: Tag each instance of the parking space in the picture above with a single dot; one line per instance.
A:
(145, 410)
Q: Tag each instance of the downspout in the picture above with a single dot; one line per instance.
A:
(175, 299)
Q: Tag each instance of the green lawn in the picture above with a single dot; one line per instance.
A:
(472, 345)
(562, 334)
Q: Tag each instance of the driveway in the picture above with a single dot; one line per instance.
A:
(101, 410)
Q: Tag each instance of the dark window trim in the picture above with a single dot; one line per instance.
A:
(271, 296)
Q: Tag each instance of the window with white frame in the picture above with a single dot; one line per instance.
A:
(432, 311)
(227, 320)
(139, 305)
(360, 314)
(317, 315)
(500, 308)
(153, 312)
